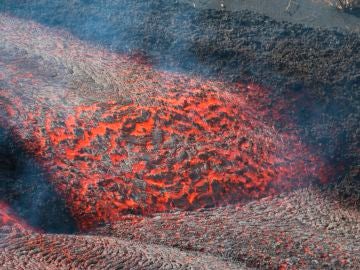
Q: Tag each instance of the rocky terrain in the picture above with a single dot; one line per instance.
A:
(326, 14)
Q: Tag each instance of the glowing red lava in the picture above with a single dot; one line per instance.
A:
(190, 148)
(9, 218)
(169, 141)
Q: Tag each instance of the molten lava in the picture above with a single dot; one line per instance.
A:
(168, 141)
(8, 218)
(192, 147)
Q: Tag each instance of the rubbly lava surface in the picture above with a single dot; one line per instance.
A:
(175, 142)
(90, 252)
(306, 229)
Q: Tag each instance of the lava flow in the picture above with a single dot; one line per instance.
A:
(9, 219)
(168, 141)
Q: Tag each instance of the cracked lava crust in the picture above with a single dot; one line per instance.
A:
(120, 140)
(167, 142)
